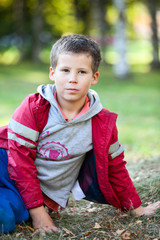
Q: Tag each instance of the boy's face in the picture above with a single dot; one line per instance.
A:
(73, 77)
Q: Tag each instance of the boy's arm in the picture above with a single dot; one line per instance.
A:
(119, 176)
(23, 134)
(122, 183)
(41, 221)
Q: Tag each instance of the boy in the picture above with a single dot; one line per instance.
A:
(62, 133)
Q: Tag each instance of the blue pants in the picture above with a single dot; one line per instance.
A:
(12, 208)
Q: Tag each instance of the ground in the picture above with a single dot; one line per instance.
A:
(87, 220)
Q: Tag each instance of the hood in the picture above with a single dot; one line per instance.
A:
(47, 92)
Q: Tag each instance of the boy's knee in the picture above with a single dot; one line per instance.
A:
(12, 211)
(7, 221)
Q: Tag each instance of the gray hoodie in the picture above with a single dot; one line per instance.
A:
(62, 147)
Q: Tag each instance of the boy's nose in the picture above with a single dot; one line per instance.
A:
(73, 78)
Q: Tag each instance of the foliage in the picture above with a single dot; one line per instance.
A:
(29, 26)
(61, 17)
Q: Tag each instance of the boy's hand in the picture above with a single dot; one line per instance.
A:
(146, 211)
(42, 222)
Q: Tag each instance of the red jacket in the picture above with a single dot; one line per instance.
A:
(113, 178)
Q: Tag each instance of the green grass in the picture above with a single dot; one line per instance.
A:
(15, 83)
(136, 100)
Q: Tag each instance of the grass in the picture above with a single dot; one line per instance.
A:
(136, 100)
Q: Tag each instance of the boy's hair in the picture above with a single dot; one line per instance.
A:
(76, 43)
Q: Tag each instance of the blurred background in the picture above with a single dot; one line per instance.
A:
(128, 32)
(29, 28)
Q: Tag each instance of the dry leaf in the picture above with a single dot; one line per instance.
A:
(21, 227)
(30, 228)
(139, 221)
(127, 236)
(87, 215)
(109, 226)
(68, 231)
(86, 234)
(93, 209)
(97, 226)
(124, 234)
(18, 234)
(115, 219)
(133, 235)
(120, 232)
(138, 232)
(26, 227)
(74, 209)
(149, 220)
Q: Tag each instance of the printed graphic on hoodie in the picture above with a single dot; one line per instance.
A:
(54, 150)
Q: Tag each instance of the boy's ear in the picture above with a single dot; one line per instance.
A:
(51, 74)
(95, 78)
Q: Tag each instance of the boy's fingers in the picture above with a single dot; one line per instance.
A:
(44, 230)
(151, 208)
(154, 205)
(39, 231)
(157, 204)
(148, 210)
(55, 229)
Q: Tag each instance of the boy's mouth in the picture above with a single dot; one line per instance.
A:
(72, 90)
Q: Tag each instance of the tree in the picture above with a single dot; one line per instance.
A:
(152, 7)
(83, 14)
(121, 68)
(37, 28)
(19, 25)
(98, 12)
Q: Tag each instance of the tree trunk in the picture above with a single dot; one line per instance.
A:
(83, 13)
(98, 9)
(37, 28)
(121, 68)
(19, 22)
(18, 16)
(152, 6)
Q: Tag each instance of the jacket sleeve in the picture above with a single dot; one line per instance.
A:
(3, 137)
(119, 177)
(23, 135)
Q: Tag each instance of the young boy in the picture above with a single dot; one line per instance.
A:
(61, 134)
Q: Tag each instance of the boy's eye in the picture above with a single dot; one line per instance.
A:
(65, 70)
(82, 72)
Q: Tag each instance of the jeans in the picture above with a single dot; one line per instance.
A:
(12, 208)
